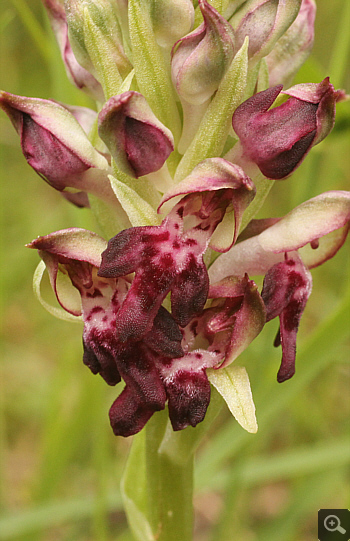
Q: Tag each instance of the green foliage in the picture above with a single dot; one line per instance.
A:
(60, 465)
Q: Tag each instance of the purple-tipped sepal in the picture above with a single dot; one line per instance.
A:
(287, 287)
(264, 22)
(277, 140)
(137, 140)
(200, 59)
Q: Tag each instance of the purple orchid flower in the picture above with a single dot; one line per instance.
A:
(166, 365)
(76, 253)
(277, 140)
(169, 257)
(284, 250)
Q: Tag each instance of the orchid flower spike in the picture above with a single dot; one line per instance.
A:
(169, 301)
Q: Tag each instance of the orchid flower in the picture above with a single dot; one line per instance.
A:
(284, 251)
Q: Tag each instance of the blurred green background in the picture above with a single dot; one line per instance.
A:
(60, 465)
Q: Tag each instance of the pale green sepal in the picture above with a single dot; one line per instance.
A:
(233, 385)
(134, 490)
(152, 73)
(127, 82)
(53, 310)
(109, 220)
(143, 186)
(212, 133)
(223, 236)
(140, 213)
(98, 49)
(263, 77)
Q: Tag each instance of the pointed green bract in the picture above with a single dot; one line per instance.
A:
(138, 210)
(233, 385)
(211, 136)
(152, 73)
(103, 62)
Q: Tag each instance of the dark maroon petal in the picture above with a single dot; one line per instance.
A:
(145, 146)
(190, 291)
(128, 415)
(165, 336)
(189, 396)
(144, 392)
(285, 162)
(50, 158)
(148, 290)
(123, 254)
(287, 287)
(101, 361)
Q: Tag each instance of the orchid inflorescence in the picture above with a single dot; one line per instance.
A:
(186, 144)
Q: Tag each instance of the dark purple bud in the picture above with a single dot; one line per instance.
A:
(278, 139)
(287, 287)
(137, 140)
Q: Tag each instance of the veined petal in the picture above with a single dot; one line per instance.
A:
(248, 318)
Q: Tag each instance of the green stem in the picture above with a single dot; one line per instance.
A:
(170, 487)
(157, 485)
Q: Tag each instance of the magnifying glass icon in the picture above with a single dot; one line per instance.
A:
(332, 524)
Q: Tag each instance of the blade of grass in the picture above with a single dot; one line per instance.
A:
(53, 514)
(34, 29)
(307, 498)
(338, 64)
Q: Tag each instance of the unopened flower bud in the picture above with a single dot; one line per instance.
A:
(104, 16)
(171, 20)
(200, 59)
(293, 48)
(137, 140)
(78, 75)
(277, 140)
(52, 140)
(264, 21)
